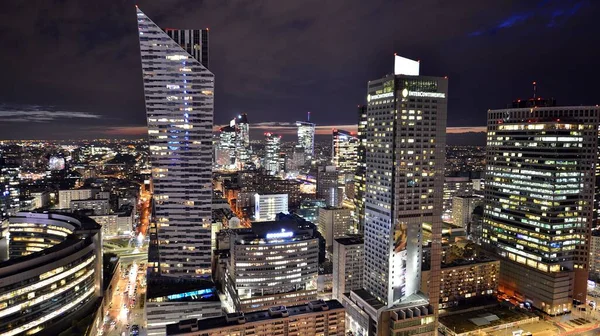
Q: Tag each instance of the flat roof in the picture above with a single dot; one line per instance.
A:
(483, 318)
(351, 240)
(164, 286)
(368, 298)
(262, 315)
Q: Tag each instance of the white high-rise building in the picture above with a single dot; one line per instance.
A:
(405, 153)
(266, 207)
(334, 223)
(179, 104)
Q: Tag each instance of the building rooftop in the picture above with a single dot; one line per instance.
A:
(483, 318)
(273, 313)
(351, 240)
(177, 289)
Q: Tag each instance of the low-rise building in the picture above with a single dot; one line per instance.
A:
(314, 318)
(465, 280)
(170, 300)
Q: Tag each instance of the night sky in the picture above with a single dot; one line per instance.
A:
(71, 69)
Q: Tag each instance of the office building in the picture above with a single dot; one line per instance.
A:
(348, 262)
(271, 263)
(53, 274)
(462, 209)
(464, 281)
(272, 151)
(539, 191)
(328, 186)
(173, 300)
(406, 115)
(314, 318)
(10, 191)
(334, 223)
(66, 196)
(309, 209)
(226, 148)
(40, 199)
(361, 169)
(99, 207)
(193, 41)
(595, 255)
(306, 139)
(344, 152)
(455, 186)
(297, 161)
(179, 93)
(243, 149)
(266, 207)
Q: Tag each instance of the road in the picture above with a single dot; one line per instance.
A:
(127, 303)
(126, 307)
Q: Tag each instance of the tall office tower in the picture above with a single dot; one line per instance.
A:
(193, 41)
(539, 191)
(243, 140)
(361, 169)
(179, 105)
(10, 191)
(348, 262)
(406, 135)
(226, 148)
(328, 187)
(272, 151)
(344, 151)
(306, 139)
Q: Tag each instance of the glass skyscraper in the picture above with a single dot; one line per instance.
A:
(306, 139)
(539, 192)
(178, 91)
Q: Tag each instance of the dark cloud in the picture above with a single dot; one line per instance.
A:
(276, 60)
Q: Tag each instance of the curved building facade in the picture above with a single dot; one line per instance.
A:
(51, 272)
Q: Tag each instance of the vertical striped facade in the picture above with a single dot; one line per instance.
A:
(178, 91)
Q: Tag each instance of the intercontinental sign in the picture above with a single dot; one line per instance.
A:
(406, 93)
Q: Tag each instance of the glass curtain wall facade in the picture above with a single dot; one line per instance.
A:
(539, 196)
(179, 92)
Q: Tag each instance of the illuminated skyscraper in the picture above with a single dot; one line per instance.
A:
(539, 192)
(306, 139)
(272, 150)
(193, 41)
(405, 153)
(344, 151)
(361, 169)
(226, 148)
(243, 140)
(179, 105)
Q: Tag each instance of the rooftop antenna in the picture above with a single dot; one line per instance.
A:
(534, 89)
(308, 119)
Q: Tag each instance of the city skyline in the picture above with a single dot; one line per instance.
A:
(490, 39)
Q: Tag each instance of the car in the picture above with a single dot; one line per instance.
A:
(135, 330)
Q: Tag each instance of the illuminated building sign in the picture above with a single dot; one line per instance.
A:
(279, 235)
(427, 94)
(379, 96)
(204, 293)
